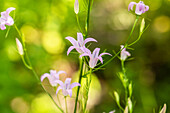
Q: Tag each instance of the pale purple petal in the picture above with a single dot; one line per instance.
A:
(93, 62)
(65, 92)
(87, 50)
(72, 40)
(59, 88)
(2, 27)
(70, 49)
(131, 5)
(80, 39)
(44, 76)
(84, 54)
(74, 85)
(70, 92)
(100, 58)
(146, 8)
(89, 40)
(61, 72)
(9, 10)
(140, 8)
(68, 81)
(60, 82)
(96, 52)
(9, 21)
(127, 53)
(104, 54)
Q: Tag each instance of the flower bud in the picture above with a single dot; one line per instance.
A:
(163, 110)
(19, 46)
(130, 105)
(130, 89)
(142, 25)
(117, 97)
(126, 110)
(76, 6)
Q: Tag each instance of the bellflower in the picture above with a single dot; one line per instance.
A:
(52, 77)
(94, 57)
(140, 7)
(66, 87)
(19, 46)
(79, 45)
(6, 19)
(124, 54)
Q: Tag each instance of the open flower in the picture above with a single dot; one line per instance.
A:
(124, 54)
(140, 7)
(94, 57)
(66, 87)
(79, 45)
(52, 77)
(6, 19)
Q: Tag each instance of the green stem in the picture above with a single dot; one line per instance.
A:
(66, 104)
(88, 88)
(79, 23)
(136, 20)
(88, 19)
(80, 77)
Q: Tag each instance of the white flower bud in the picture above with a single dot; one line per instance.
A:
(76, 6)
(163, 110)
(142, 25)
(19, 46)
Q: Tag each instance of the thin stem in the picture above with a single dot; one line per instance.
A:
(80, 77)
(58, 100)
(88, 87)
(137, 17)
(66, 104)
(88, 19)
(79, 23)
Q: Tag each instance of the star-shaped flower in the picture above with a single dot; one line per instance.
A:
(140, 7)
(52, 77)
(66, 87)
(94, 57)
(79, 45)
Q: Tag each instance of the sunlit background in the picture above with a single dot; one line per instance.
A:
(46, 23)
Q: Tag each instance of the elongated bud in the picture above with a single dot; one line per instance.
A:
(126, 110)
(130, 105)
(19, 46)
(76, 6)
(142, 25)
(130, 89)
(117, 97)
(163, 110)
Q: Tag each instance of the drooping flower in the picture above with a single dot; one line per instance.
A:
(19, 46)
(66, 87)
(124, 54)
(79, 45)
(6, 19)
(140, 7)
(76, 6)
(94, 57)
(52, 77)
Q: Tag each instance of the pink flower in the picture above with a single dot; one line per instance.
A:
(66, 87)
(124, 54)
(6, 19)
(140, 7)
(94, 57)
(52, 77)
(79, 45)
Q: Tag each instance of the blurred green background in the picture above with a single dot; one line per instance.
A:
(46, 23)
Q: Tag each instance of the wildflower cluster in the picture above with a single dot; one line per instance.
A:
(85, 55)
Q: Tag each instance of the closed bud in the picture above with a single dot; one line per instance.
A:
(126, 110)
(130, 89)
(163, 110)
(142, 25)
(76, 6)
(117, 97)
(130, 105)
(19, 46)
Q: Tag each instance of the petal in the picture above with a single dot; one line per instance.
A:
(70, 49)
(131, 5)
(44, 76)
(104, 54)
(60, 72)
(139, 8)
(9, 10)
(74, 85)
(70, 92)
(146, 8)
(60, 82)
(87, 50)
(96, 52)
(68, 81)
(59, 88)
(84, 54)
(9, 21)
(89, 40)
(65, 92)
(72, 40)
(100, 58)
(80, 39)
(127, 53)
